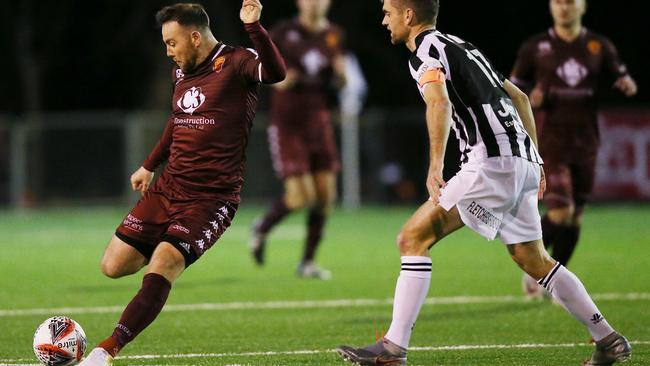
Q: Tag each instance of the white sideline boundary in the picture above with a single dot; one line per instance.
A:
(309, 304)
(466, 347)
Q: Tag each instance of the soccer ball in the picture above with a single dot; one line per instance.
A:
(59, 341)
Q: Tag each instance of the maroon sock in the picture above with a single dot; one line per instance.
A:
(140, 312)
(315, 224)
(565, 243)
(549, 231)
(275, 214)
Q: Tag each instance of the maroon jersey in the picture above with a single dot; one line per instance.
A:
(568, 74)
(212, 113)
(312, 55)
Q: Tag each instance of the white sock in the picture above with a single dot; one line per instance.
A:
(567, 289)
(411, 290)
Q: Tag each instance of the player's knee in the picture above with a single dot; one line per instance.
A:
(562, 216)
(410, 242)
(536, 266)
(297, 201)
(112, 269)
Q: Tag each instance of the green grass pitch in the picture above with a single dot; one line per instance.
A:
(266, 316)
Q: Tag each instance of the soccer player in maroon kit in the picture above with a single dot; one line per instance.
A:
(563, 67)
(300, 133)
(193, 202)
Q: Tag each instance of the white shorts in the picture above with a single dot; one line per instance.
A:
(497, 197)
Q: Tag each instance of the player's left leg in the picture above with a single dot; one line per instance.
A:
(325, 189)
(569, 291)
(166, 265)
(428, 225)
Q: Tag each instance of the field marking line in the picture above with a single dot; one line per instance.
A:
(308, 304)
(465, 347)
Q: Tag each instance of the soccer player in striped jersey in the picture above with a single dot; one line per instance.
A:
(495, 193)
(562, 68)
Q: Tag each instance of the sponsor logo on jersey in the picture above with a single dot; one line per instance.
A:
(191, 100)
(572, 72)
(314, 61)
(218, 64)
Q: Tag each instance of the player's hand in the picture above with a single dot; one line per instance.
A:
(626, 85)
(536, 97)
(141, 179)
(251, 11)
(290, 80)
(434, 183)
(542, 183)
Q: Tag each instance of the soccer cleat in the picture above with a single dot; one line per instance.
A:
(311, 270)
(532, 289)
(257, 243)
(375, 354)
(611, 349)
(97, 357)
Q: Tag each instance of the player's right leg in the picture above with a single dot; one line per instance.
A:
(325, 196)
(299, 192)
(427, 226)
(121, 259)
(569, 291)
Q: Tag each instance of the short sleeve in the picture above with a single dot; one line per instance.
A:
(426, 66)
(523, 71)
(612, 59)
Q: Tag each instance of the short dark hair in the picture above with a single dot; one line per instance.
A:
(426, 11)
(184, 14)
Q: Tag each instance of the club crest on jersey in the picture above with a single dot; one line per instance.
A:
(191, 100)
(594, 47)
(572, 72)
(179, 74)
(218, 64)
(544, 47)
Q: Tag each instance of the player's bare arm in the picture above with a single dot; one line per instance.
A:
(523, 106)
(251, 11)
(438, 116)
(626, 85)
(141, 179)
(290, 80)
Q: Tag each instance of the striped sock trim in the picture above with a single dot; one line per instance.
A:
(546, 279)
(413, 266)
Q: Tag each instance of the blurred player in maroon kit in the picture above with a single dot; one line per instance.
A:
(300, 133)
(193, 202)
(563, 67)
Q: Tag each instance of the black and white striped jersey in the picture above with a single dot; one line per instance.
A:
(485, 120)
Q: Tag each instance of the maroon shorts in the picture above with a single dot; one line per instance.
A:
(569, 183)
(192, 226)
(303, 148)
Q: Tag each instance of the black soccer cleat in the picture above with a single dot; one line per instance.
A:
(611, 349)
(257, 243)
(375, 354)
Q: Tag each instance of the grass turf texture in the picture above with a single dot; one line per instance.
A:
(50, 260)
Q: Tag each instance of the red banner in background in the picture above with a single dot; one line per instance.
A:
(623, 166)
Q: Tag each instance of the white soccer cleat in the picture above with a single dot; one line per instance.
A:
(532, 289)
(311, 270)
(98, 357)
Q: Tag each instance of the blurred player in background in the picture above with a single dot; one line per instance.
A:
(300, 134)
(562, 68)
(195, 199)
(495, 193)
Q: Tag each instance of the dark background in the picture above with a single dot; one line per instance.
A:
(71, 55)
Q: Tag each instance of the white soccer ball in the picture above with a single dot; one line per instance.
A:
(59, 341)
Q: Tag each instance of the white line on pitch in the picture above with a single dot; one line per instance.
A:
(309, 304)
(466, 347)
